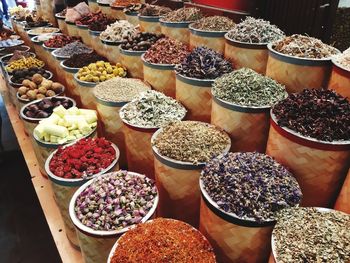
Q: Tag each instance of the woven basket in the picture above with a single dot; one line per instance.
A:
(117, 12)
(132, 17)
(149, 24)
(86, 94)
(245, 55)
(340, 80)
(83, 32)
(248, 127)
(111, 51)
(176, 30)
(72, 29)
(61, 24)
(210, 39)
(133, 63)
(93, 6)
(195, 95)
(319, 167)
(343, 200)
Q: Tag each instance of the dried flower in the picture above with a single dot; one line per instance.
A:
(214, 23)
(185, 14)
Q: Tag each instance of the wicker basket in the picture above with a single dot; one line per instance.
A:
(72, 29)
(86, 94)
(93, 6)
(210, 39)
(111, 51)
(132, 17)
(340, 80)
(133, 63)
(149, 24)
(117, 12)
(343, 200)
(61, 24)
(176, 30)
(83, 32)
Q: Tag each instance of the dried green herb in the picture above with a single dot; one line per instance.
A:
(214, 23)
(185, 14)
(308, 235)
(248, 88)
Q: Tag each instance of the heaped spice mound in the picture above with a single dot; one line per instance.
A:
(344, 59)
(59, 41)
(320, 114)
(154, 10)
(185, 14)
(191, 141)
(115, 201)
(214, 23)
(309, 235)
(84, 59)
(163, 240)
(204, 63)
(250, 185)
(84, 158)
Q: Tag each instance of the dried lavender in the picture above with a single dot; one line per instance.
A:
(257, 31)
(115, 201)
(204, 63)
(191, 141)
(154, 10)
(344, 59)
(152, 109)
(304, 47)
(73, 48)
(319, 114)
(251, 185)
(309, 235)
(248, 88)
(214, 23)
(185, 14)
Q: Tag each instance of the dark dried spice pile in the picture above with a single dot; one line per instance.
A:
(308, 235)
(141, 41)
(60, 41)
(214, 23)
(167, 51)
(82, 60)
(253, 30)
(204, 63)
(185, 14)
(154, 10)
(100, 22)
(250, 185)
(163, 240)
(319, 114)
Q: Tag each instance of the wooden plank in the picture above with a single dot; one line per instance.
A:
(42, 186)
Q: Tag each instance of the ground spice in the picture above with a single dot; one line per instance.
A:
(309, 235)
(320, 114)
(214, 23)
(152, 109)
(204, 63)
(248, 88)
(163, 240)
(250, 185)
(120, 89)
(344, 59)
(73, 48)
(115, 201)
(82, 60)
(59, 41)
(118, 31)
(304, 47)
(141, 41)
(83, 159)
(191, 141)
(257, 31)
(185, 14)
(154, 10)
(167, 51)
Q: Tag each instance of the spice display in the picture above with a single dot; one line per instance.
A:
(204, 63)
(39, 88)
(10, 42)
(167, 51)
(253, 30)
(66, 125)
(154, 10)
(304, 47)
(82, 60)
(21, 74)
(11, 50)
(43, 30)
(163, 240)
(84, 158)
(115, 201)
(91, 18)
(309, 235)
(250, 185)
(101, 23)
(185, 14)
(344, 59)
(152, 109)
(20, 55)
(118, 31)
(24, 63)
(141, 41)
(39, 22)
(120, 89)
(59, 41)
(191, 141)
(44, 107)
(73, 48)
(320, 114)
(101, 71)
(248, 88)
(214, 23)
(124, 3)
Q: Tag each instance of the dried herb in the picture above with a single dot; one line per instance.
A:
(214, 23)
(319, 114)
(152, 109)
(250, 185)
(257, 31)
(115, 201)
(304, 47)
(185, 14)
(154, 10)
(167, 51)
(191, 141)
(118, 31)
(309, 235)
(204, 63)
(344, 59)
(141, 41)
(248, 88)
(73, 48)
(82, 60)
(163, 240)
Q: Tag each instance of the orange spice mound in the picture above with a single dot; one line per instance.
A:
(163, 241)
